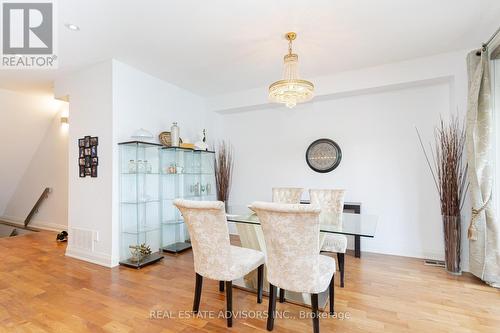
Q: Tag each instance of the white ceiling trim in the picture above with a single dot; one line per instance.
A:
(439, 68)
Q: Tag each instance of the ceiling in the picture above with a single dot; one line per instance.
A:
(218, 46)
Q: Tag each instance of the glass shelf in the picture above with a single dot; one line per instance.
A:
(173, 222)
(138, 202)
(139, 219)
(140, 144)
(140, 173)
(186, 174)
(144, 173)
(196, 175)
(142, 230)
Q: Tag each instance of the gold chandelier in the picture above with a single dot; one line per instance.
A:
(291, 90)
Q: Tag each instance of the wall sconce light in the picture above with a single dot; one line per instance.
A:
(64, 120)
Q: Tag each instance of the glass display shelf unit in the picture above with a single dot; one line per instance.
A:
(140, 204)
(187, 174)
(151, 178)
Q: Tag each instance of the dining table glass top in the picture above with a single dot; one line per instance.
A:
(352, 224)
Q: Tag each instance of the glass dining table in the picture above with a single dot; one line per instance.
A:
(352, 224)
(247, 226)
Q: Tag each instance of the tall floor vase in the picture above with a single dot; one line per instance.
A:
(451, 227)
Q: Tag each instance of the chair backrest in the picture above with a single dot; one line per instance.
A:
(287, 195)
(207, 226)
(331, 203)
(291, 234)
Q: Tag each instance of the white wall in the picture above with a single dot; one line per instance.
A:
(48, 168)
(382, 164)
(90, 199)
(142, 100)
(24, 120)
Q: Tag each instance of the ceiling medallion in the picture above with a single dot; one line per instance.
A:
(291, 90)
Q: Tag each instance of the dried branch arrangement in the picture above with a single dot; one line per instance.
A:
(447, 167)
(450, 177)
(223, 170)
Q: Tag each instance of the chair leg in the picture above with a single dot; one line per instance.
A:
(272, 307)
(197, 292)
(282, 295)
(341, 260)
(331, 290)
(229, 302)
(260, 282)
(221, 286)
(315, 312)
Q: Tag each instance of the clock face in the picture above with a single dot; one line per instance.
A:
(323, 155)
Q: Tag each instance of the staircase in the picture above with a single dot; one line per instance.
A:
(34, 210)
(9, 229)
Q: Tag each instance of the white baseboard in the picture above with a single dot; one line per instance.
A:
(35, 223)
(95, 258)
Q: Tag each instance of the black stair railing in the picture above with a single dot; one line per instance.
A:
(34, 210)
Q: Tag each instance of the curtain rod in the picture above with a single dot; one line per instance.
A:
(491, 38)
(485, 45)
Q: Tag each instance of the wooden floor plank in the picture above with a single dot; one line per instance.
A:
(41, 290)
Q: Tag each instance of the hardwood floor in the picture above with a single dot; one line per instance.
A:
(41, 290)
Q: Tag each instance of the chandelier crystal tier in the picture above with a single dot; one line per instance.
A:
(291, 90)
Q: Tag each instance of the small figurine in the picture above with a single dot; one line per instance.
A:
(202, 144)
(139, 252)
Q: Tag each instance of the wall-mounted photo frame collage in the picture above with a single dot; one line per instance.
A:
(87, 158)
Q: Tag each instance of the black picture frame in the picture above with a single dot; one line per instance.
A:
(331, 143)
(87, 156)
(93, 171)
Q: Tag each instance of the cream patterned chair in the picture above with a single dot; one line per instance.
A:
(288, 195)
(291, 233)
(332, 206)
(214, 256)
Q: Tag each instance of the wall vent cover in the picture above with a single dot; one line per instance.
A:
(82, 239)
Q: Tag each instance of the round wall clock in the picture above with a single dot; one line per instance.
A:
(323, 155)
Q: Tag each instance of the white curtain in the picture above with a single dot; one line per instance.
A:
(484, 229)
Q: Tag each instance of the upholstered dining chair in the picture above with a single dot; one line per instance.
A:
(332, 206)
(287, 195)
(214, 256)
(293, 261)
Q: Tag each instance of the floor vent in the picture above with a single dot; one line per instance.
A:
(82, 239)
(435, 263)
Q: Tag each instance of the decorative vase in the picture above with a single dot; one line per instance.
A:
(136, 254)
(174, 133)
(451, 227)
